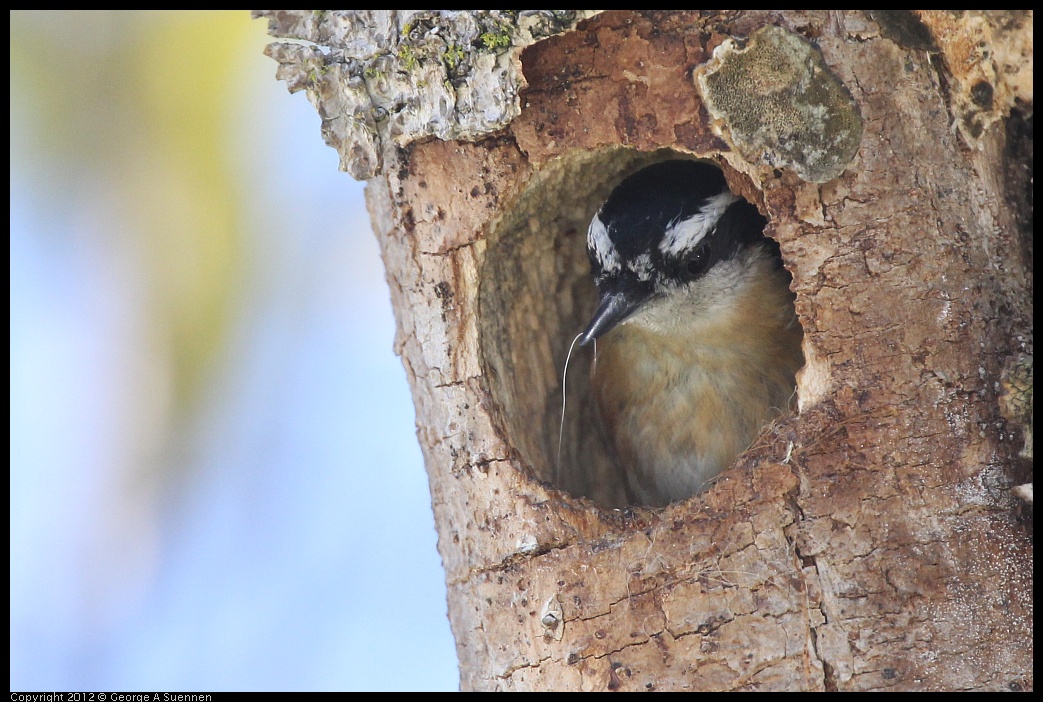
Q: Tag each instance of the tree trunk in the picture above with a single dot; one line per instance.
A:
(870, 542)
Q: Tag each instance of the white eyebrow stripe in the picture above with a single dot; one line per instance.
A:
(686, 234)
(601, 244)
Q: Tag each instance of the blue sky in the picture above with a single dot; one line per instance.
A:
(255, 517)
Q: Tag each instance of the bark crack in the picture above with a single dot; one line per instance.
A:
(811, 649)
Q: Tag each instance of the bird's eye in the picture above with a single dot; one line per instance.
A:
(694, 264)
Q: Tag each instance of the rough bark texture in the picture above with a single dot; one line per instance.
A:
(870, 542)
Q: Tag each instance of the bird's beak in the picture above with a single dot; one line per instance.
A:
(619, 300)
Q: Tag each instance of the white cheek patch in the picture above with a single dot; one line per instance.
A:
(686, 234)
(604, 250)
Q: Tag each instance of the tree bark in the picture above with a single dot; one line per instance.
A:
(871, 541)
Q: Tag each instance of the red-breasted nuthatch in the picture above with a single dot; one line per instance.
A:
(698, 339)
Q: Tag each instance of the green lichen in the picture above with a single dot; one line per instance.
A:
(492, 42)
(407, 56)
(778, 103)
(497, 37)
(453, 55)
(317, 73)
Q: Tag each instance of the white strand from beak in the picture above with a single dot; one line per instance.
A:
(564, 375)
